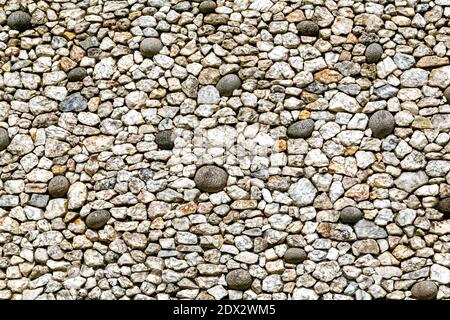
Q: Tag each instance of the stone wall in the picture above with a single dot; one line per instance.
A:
(248, 149)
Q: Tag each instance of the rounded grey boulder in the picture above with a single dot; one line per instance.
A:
(239, 279)
(447, 94)
(165, 139)
(58, 186)
(4, 139)
(381, 123)
(207, 7)
(19, 20)
(150, 47)
(444, 206)
(295, 255)
(351, 215)
(97, 219)
(301, 129)
(211, 178)
(77, 74)
(373, 53)
(424, 290)
(228, 84)
(308, 28)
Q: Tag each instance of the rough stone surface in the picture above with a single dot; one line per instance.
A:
(73, 103)
(165, 139)
(4, 139)
(373, 53)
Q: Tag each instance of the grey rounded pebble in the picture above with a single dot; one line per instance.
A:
(150, 47)
(351, 215)
(58, 186)
(301, 129)
(207, 7)
(373, 53)
(73, 103)
(381, 123)
(308, 28)
(165, 139)
(4, 139)
(444, 206)
(77, 74)
(19, 20)
(239, 279)
(295, 255)
(424, 290)
(97, 219)
(447, 94)
(228, 84)
(211, 178)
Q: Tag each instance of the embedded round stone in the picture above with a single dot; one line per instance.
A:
(19, 20)
(58, 186)
(228, 84)
(239, 279)
(211, 178)
(295, 255)
(447, 94)
(424, 290)
(77, 74)
(444, 206)
(165, 139)
(308, 28)
(207, 7)
(4, 139)
(150, 47)
(381, 123)
(301, 129)
(97, 219)
(351, 215)
(373, 53)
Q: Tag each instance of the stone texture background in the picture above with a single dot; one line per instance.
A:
(78, 99)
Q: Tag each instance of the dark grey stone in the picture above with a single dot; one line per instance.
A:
(295, 255)
(73, 103)
(58, 186)
(239, 279)
(351, 215)
(39, 200)
(4, 139)
(301, 129)
(97, 219)
(444, 206)
(77, 74)
(424, 290)
(211, 178)
(227, 84)
(373, 53)
(165, 139)
(447, 94)
(150, 47)
(19, 20)
(308, 28)
(207, 7)
(89, 42)
(382, 123)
